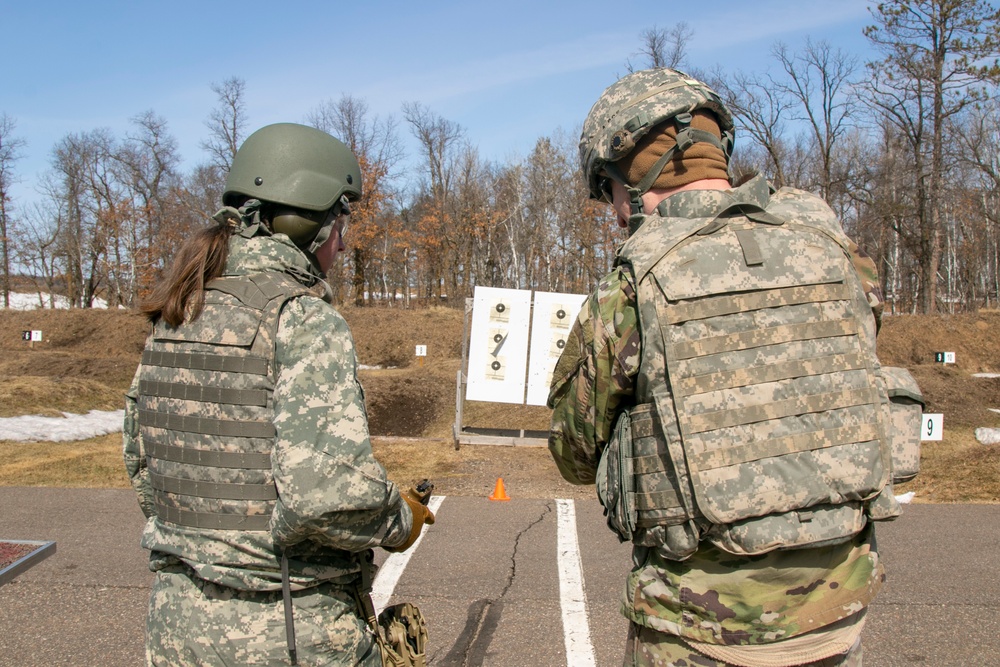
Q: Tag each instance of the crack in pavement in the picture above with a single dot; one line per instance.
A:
(484, 615)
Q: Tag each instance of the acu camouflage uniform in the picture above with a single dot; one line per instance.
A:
(712, 596)
(217, 596)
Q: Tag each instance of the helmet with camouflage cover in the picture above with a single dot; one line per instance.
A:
(303, 175)
(631, 107)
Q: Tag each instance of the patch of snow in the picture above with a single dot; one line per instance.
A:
(905, 498)
(24, 301)
(70, 427)
(986, 375)
(988, 436)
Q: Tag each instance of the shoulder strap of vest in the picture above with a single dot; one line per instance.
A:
(805, 209)
(258, 289)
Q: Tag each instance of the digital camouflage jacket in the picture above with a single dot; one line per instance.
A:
(334, 500)
(712, 596)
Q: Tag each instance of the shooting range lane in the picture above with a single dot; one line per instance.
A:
(485, 579)
(941, 601)
(486, 576)
(86, 604)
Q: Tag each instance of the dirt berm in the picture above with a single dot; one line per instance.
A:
(86, 360)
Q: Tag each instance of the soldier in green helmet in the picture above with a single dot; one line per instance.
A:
(246, 436)
(720, 387)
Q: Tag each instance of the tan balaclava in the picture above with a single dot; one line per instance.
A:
(702, 160)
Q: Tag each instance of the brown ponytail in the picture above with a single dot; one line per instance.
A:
(201, 259)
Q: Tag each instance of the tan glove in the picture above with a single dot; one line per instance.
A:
(416, 497)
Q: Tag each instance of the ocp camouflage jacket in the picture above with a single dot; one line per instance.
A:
(712, 596)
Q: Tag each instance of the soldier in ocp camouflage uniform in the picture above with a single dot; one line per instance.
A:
(246, 436)
(656, 146)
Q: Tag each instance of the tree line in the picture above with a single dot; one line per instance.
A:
(905, 148)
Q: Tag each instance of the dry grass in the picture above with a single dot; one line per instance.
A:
(411, 460)
(93, 463)
(957, 469)
(51, 396)
(89, 356)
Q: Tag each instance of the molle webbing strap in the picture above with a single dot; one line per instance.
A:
(792, 444)
(187, 392)
(211, 520)
(204, 457)
(782, 370)
(750, 301)
(221, 490)
(825, 402)
(761, 337)
(665, 499)
(647, 463)
(206, 362)
(207, 425)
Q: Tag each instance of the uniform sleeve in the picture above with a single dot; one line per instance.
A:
(331, 489)
(594, 378)
(867, 271)
(132, 449)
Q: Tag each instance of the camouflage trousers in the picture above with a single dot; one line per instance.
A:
(649, 648)
(195, 622)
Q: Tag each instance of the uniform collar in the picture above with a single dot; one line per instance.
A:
(708, 203)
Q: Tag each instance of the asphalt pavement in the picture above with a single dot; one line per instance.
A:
(495, 581)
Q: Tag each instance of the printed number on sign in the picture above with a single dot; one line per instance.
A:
(932, 427)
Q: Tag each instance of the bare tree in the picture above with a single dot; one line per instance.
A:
(10, 153)
(820, 80)
(760, 107)
(663, 47)
(375, 142)
(226, 123)
(937, 56)
(439, 138)
(149, 160)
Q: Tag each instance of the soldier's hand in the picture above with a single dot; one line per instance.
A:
(421, 515)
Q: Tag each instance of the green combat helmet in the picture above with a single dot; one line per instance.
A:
(631, 107)
(305, 174)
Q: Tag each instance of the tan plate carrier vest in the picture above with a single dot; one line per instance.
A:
(762, 417)
(206, 410)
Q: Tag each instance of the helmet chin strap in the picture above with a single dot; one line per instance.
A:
(322, 236)
(324, 233)
(686, 137)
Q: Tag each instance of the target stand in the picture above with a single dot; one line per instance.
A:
(511, 341)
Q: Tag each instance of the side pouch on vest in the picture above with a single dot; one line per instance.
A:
(820, 525)
(664, 510)
(615, 480)
(884, 506)
(402, 636)
(906, 404)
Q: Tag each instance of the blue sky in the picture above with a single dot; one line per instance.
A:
(507, 72)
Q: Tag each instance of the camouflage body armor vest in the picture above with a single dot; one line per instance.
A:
(206, 409)
(762, 414)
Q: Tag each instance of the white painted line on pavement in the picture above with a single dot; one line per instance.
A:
(392, 569)
(572, 597)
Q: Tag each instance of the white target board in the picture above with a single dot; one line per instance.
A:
(498, 345)
(552, 318)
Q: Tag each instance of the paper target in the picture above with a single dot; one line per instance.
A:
(554, 316)
(498, 345)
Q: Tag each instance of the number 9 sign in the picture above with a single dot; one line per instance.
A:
(932, 427)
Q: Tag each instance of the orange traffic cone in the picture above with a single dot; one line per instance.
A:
(499, 493)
